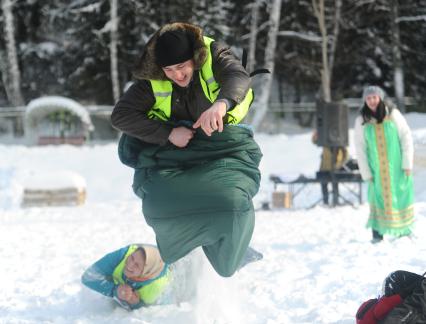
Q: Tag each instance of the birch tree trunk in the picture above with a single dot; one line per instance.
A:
(253, 35)
(336, 30)
(262, 104)
(319, 12)
(5, 74)
(397, 57)
(14, 74)
(113, 51)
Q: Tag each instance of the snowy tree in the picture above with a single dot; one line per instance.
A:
(12, 73)
(40, 48)
(298, 53)
(397, 57)
(138, 21)
(213, 17)
(412, 26)
(113, 50)
(70, 47)
(369, 32)
(261, 105)
(88, 53)
(328, 44)
(4, 74)
(254, 21)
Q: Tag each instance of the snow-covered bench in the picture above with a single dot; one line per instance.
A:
(61, 188)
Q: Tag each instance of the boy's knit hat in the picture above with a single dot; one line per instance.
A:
(173, 47)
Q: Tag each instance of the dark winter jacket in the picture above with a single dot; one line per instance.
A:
(130, 112)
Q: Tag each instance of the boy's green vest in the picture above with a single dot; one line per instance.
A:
(149, 292)
(163, 93)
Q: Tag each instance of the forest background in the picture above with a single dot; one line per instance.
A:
(330, 49)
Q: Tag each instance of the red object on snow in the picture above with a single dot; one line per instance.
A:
(374, 310)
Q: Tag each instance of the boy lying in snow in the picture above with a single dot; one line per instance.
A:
(403, 301)
(134, 276)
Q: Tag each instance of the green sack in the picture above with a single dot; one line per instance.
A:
(200, 195)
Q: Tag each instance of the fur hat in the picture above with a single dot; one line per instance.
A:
(373, 90)
(148, 68)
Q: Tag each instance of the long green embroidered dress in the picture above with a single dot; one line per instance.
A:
(390, 194)
(390, 190)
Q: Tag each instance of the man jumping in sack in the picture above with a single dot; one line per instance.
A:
(196, 168)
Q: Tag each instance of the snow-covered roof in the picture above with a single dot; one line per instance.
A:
(45, 105)
(38, 108)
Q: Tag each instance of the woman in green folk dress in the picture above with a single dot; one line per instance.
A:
(384, 148)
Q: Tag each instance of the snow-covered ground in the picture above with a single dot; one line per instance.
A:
(318, 265)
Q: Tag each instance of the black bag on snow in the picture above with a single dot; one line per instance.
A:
(413, 308)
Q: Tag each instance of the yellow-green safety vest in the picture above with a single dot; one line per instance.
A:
(163, 93)
(148, 293)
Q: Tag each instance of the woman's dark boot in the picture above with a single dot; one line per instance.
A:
(377, 237)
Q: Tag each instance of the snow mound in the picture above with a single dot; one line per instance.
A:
(54, 180)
